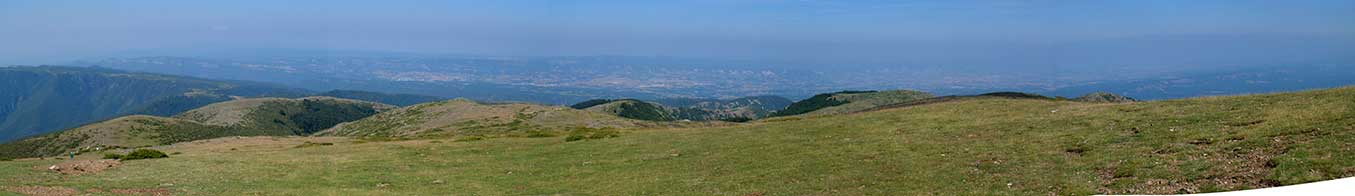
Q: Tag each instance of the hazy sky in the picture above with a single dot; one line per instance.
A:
(882, 32)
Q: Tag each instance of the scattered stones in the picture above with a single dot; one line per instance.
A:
(84, 166)
(383, 185)
(438, 182)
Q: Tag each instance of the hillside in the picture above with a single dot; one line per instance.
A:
(959, 147)
(1104, 97)
(461, 117)
(36, 100)
(850, 101)
(245, 117)
(386, 98)
(634, 109)
(747, 107)
(301, 116)
(741, 109)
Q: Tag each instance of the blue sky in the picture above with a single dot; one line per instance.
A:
(993, 33)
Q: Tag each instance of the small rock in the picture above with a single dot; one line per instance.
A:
(383, 185)
(53, 167)
(166, 184)
(438, 182)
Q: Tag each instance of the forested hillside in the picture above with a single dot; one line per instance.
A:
(36, 100)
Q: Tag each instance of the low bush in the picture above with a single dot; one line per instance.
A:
(737, 119)
(539, 133)
(112, 156)
(470, 138)
(144, 154)
(313, 144)
(583, 133)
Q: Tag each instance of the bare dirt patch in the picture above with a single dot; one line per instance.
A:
(84, 166)
(42, 190)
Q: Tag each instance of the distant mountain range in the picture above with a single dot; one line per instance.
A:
(41, 99)
(37, 100)
(1221, 82)
(568, 80)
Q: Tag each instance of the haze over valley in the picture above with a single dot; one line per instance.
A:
(753, 98)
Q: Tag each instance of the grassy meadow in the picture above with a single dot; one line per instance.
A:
(990, 146)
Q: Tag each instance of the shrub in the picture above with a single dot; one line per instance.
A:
(737, 119)
(571, 138)
(470, 138)
(112, 156)
(539, 133)
(144, 154)
(583, 133)
(313, 144)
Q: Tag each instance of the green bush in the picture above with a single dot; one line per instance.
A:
(470, 138)
(737, 119)
(583, 133)
(144, 154)
(313, 144)
(112, 156)
(571, 138)
(539, 133)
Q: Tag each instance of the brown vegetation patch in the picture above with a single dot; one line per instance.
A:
(84, 166)
(42, 190)
(1230, 170)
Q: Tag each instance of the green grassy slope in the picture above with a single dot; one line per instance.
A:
(462, 117)
(301, 116)
(245, 117)
(850, 101)
(393, 99)
(741, 109)
(979, 146)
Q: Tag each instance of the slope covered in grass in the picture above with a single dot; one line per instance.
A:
(976, 146)
(386, 98)
(850, 101)
(245, 117)
(740, 109)
(300, 116)
(463, 117)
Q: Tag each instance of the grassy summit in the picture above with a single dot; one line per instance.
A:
(460, 117)
(741, 109)
(850, 101)
(986, 145)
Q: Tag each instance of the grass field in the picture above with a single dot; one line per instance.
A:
(990, 146)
